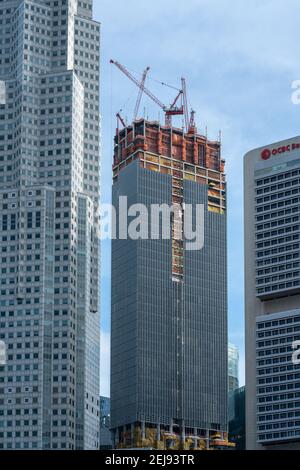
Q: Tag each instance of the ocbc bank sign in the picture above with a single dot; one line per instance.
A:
(267, 153)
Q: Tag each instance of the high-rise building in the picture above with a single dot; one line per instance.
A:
(105, 434)
(49, 247)
(236, 418)
(272, 290)
(169, 303)
(233, 367)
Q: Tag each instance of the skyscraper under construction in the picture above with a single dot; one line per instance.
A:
(169, 304)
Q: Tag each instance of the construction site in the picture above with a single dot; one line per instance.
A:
(148, 438)
(184, 155)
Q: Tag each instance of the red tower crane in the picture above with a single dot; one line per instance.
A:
(169, 111)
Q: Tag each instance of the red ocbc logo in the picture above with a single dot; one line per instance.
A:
(267, 153)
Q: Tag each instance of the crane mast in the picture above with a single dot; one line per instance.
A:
(141, 90)
(185, 103)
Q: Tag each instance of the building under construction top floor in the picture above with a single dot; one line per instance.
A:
(172, 151)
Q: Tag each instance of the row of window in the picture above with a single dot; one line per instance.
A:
(279, 177)
(276, 370)
(277, 260)
(34, 444)
(278, 287)
(277, 215)
(281, 397)
(282, 277)
(20, 313)
(278, 187)
(276, 269)
(274, 342)
(277, 205)
(278, 241)
(270, 352)
(278, 407)
(278, 435)
(274, 426)
(281, 195)
(276, 323)
(278, 388)
(279, 378)
(275, 233)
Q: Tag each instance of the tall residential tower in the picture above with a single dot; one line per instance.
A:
(272, 290)
(49, 247)
(169, 304)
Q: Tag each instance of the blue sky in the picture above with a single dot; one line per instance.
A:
(239, 59)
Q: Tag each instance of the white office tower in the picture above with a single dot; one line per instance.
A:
(49, 247)
(272, 290)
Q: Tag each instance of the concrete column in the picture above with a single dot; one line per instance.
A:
(207, 439)
(182, 434)
(158, 432)
(116, 437)
(195, 439)
(113, 438)
(143, 430)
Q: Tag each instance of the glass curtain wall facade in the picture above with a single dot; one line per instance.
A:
(169, 304)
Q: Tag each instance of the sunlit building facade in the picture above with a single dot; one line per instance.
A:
(49, 247)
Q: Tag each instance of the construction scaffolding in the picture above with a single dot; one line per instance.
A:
(161, 437)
